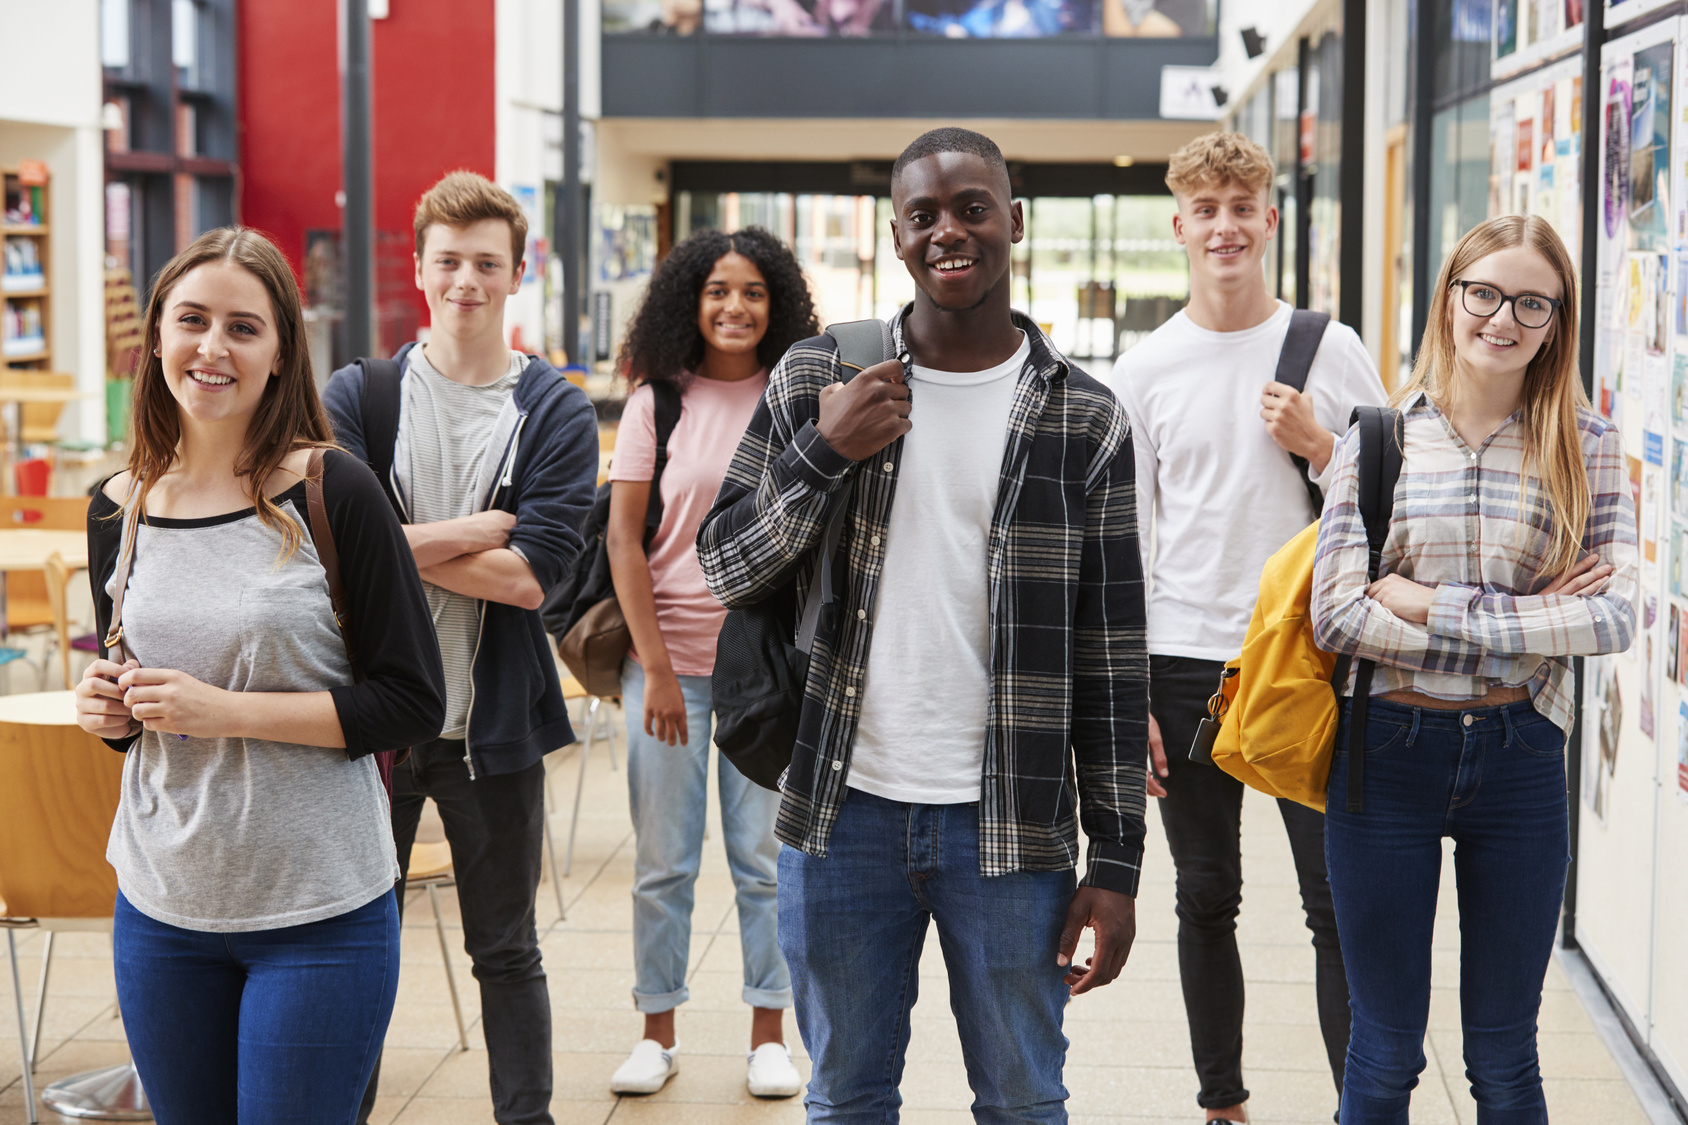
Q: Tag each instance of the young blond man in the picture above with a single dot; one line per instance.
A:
(1225, 452)
(490, 457)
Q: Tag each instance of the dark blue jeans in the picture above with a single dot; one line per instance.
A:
(1493, 780)
(852, 926)
(264, 1027)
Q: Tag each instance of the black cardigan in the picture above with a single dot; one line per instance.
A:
(402, 700)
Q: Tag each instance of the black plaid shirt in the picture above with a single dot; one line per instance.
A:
(1069, 658)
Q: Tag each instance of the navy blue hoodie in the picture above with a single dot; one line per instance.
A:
(549, 476)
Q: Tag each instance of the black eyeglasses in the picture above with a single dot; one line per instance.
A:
(1531, 310)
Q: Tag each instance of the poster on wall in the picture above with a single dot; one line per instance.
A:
(1536, 138)
(1682, 755)
(1622, 11)
(1529, 32)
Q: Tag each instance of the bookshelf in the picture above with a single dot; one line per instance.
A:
(25, 267)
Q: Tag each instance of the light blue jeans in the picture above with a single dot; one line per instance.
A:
(668, 791)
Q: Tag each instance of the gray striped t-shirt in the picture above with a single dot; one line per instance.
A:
(448, 427)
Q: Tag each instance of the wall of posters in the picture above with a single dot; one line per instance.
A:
(1635, 705)
(1536, 139)
(1528, 32)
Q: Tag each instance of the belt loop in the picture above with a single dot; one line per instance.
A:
(1412, 732)
(1506, 720)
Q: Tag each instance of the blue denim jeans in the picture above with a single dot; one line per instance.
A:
(668, 790)
(852, 926)
(263, 1027)
(1493, 780)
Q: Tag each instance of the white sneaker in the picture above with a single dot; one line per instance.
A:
(772, 1074)
(647, 1069)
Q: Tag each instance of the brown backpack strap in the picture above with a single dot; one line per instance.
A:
(323, 536)
(114, 642)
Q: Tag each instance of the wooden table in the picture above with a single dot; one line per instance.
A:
(27, 548)
(40, 708)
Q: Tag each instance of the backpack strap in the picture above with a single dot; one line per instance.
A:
(861, 344)
(1301, 344)
(125, 562)
(667, 417)
(380, 407)
(1382, 445)
(322, 535)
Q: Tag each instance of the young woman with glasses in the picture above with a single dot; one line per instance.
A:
(1511, 549)
(255, 933)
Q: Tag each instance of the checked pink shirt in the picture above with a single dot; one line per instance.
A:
(1461, 525)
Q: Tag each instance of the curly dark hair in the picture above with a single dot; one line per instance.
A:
(664, 343)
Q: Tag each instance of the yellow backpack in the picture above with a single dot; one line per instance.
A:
(1278, 704)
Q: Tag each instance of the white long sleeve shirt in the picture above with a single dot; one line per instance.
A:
(1216, 496)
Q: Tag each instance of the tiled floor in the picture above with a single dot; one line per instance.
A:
(1129, 1060)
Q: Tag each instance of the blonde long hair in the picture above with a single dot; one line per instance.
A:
(290, 414)
(1553, 390)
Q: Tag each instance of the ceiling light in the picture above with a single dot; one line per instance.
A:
(1124, 161)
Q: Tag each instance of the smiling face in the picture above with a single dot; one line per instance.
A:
(1224, 227)
(954, 226)
(218, 343)
(1497, 346)
(732, 310)
(467, 273)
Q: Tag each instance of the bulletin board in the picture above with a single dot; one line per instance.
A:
(1632, 901)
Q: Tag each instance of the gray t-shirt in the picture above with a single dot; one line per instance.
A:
(231, 834)
(448, 428)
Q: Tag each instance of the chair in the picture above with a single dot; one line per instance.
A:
(430, 869)
(595, 711)
(59, 789)
(58, 584)
(29, 601)
(40, 419)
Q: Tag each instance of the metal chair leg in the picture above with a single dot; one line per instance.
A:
(609, 736)
(450, 977)
(41, 999)
(23, 1032)
(551, 854)
(580, 784)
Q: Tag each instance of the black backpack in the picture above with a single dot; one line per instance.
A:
(762, 654)
(589, 582)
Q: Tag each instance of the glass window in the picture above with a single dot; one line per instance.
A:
(114, 33)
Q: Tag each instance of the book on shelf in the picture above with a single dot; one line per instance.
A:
(20, 266)
(23, 205)
(21, 329)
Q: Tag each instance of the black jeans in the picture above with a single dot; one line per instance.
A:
(495, 828)
(1202, 814)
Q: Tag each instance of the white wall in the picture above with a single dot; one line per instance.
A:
(50, 91)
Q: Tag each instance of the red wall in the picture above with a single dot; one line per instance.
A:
(434, 109)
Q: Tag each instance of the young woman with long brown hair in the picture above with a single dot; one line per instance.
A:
(1511, 549)
(256, 935)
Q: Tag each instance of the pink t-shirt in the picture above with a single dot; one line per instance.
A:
(713, 417)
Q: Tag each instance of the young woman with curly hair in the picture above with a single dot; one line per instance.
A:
(719, 312)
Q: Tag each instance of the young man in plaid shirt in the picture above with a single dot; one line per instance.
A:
(980, 684)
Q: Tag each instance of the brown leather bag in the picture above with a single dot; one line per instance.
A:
(594, 649)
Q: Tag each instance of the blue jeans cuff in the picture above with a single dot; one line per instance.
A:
(767, 997)
(651, 1004)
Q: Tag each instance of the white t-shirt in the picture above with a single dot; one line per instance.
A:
(932, 616)
(1216, 495)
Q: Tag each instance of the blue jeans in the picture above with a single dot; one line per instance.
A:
(1492, 779)
(669, 793)
(852, 926)
(263, 1027)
